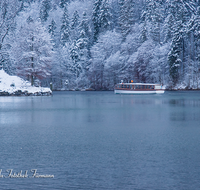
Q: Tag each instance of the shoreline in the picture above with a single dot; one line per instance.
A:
(113, 90)
(25, 93)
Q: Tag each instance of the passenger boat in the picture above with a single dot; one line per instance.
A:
(138, 88)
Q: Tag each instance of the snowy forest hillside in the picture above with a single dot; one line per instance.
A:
(77, 44)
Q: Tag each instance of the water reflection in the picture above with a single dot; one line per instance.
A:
(185, 109)
(94, 140)
(185, 116)
(184, 102)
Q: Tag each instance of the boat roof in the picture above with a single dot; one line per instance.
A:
(139, 83)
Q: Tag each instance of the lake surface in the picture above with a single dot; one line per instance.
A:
(99, 140)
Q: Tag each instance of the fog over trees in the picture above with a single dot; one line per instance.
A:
(77, 44)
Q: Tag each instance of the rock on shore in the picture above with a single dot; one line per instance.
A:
(15, 86)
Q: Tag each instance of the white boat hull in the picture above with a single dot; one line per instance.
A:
(139, 91)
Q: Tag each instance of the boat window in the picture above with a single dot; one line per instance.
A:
(152, 87)
(139, 86)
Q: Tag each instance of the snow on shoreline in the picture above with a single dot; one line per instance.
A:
(13, 85)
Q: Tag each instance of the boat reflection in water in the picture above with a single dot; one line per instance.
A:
(138, 88)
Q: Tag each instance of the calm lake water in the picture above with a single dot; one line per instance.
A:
(99, 140)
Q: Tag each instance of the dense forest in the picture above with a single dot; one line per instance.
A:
(79, 44)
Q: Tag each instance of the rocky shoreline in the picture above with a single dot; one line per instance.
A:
(25, 93)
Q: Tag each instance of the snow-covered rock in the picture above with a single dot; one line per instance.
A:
(13, 85)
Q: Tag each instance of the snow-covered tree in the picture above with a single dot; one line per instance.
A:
(157, 69)
(174, 55)
(65, 27)
(74, 25)
(153, 15)
(156, 40)
(95, 18)
(32, 50)
(83, 43)
(84, 28)
(52, 28)
(180, 12)
(61, 70)
(76, 67)
(107, 45)
(44, 10)
(168, 28)
(8, 11)
(126, 16)
(141, 60)
(64, 3)
(105, 17)
(144, 32)
(101, 17)
(193, 67)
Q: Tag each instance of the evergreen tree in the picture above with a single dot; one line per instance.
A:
(74, 26)
(115, 11)
(74, 54)
(168, 28)
(95, 18)
(143, 36)
(52, 28)
(75, 20)
(181, 12)
(101, 18)
(105, 17)
(153, 15)
(64, 3)
(44, 10)
(193, 29)
(127, 16)
(8, 12)
(65, 28)
(194, 47)
(83, 43)
(84, 26)
(174, 56)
